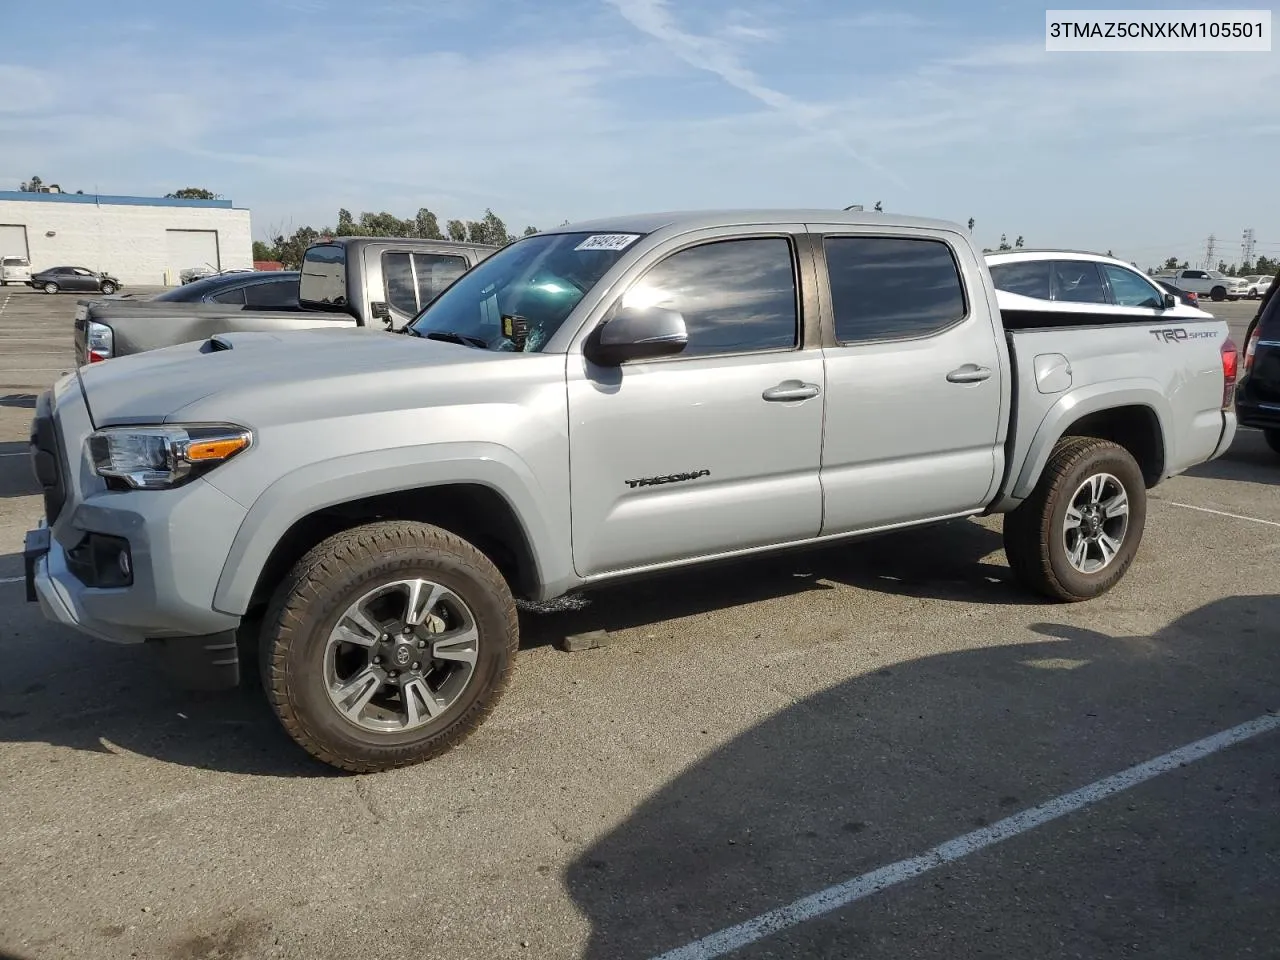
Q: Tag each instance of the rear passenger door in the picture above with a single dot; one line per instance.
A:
(914, 381)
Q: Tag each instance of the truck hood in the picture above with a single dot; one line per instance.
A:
(275, 377)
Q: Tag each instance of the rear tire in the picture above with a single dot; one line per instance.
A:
(50, 287)
(1272, 437)
(1090, 478)
(305, 680)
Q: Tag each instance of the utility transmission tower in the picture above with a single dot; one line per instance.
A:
(1246, 247)
(1209, 249)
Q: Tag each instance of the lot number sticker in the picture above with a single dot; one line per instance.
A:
(608, 241)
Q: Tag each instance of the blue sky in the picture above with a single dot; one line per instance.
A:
(581, 108)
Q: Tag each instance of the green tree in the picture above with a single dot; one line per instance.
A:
(1018, 243)
(34, 185)
(346, 225)
(971, 222)
(262, 251)
(427, 226)
(456, 229)
(879, 207)
(1004, 242)
(1170, 263)
(530, 231)
(193, 193)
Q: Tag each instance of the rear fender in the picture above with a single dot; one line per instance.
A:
(1079, 403)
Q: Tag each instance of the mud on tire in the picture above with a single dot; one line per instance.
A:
(1048, 558)
(301, 661)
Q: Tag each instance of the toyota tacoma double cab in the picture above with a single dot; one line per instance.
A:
(599, 401)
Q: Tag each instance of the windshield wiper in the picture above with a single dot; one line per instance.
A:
(459, 338)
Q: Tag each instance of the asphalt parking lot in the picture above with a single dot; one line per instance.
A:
(753, 735)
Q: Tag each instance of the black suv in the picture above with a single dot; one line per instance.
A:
(1258, 395)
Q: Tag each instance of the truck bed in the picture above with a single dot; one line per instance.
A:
(1167, 377)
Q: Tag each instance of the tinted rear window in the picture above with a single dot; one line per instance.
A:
(324, 276)
(886, 288)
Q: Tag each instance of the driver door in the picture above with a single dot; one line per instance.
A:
(716, 449)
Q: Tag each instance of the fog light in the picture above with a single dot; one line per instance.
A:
(101, 561)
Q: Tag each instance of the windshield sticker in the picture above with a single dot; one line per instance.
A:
(608, 241)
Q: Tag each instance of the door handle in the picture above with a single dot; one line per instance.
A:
(791, 390)
(969, 373)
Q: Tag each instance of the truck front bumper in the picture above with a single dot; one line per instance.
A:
(207, 662)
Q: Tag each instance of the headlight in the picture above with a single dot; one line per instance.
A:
(161, 457)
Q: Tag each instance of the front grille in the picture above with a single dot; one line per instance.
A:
(46, 460)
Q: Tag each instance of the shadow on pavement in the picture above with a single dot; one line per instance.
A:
(63, 688)
(886, 765)
(16, 478)
(1249, 460)
(961, 561)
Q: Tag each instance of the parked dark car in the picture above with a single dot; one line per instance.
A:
(1186, 296)
(275, 290)
(74, 280)
(1258, 394)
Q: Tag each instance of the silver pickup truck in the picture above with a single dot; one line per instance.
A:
(380, 282)
(603, 400)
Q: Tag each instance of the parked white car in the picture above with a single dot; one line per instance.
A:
(1213, 284)
(1257, 286)
(14, 269)
(1039, 283)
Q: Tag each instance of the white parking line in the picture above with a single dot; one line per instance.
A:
(843, 894)
(1219, 513)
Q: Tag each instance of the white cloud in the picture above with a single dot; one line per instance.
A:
(548, 124)
(717, 56)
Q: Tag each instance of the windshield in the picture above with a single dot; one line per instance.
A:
(540, 278)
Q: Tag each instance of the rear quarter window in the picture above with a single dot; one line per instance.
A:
(1027, 278)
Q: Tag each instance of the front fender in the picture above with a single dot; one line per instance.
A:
(1094, 398)
(343, 479)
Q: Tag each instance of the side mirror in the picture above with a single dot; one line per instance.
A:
(379, 310)
(637, 333)
(1170, 301)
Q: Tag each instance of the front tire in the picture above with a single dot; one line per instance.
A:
(1074, 538)
(1218, 294)
(388, 645)
(108, 288)
(50, 287)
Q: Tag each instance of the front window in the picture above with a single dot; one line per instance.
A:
(1131, 290)
(541, 278)
(1215, 275)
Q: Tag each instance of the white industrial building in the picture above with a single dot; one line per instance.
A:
(139, 240)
